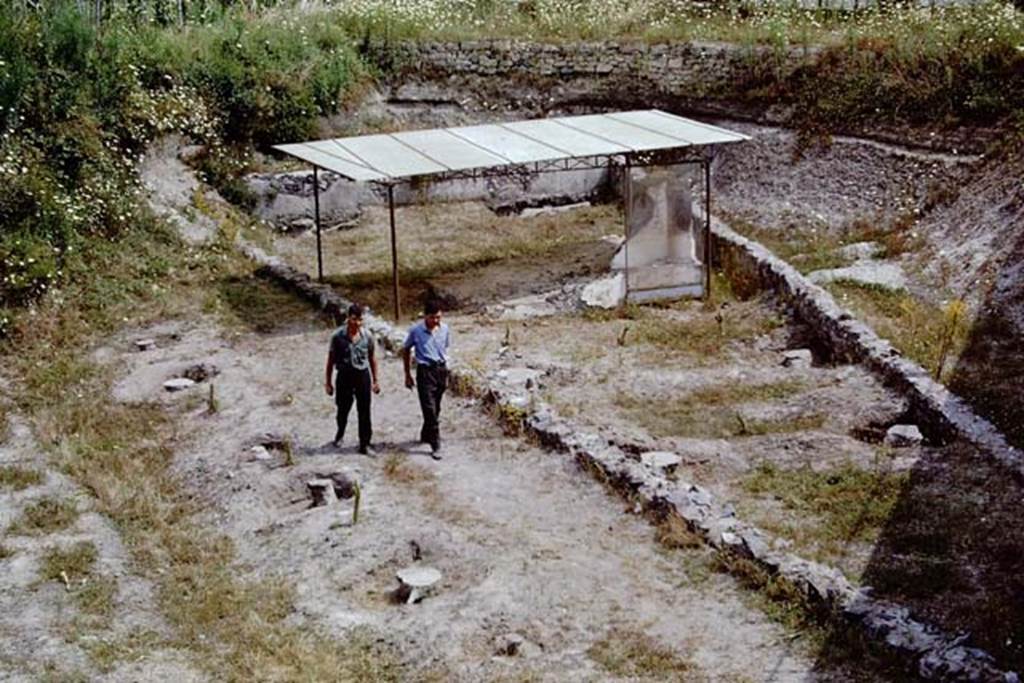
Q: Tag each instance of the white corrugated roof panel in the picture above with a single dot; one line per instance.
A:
(622, 133)
(450, 150)
(694, 132)
(331, 162)
(512, 146)
(388, 158)
(571, 141)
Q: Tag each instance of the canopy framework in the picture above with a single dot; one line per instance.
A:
(597, 141)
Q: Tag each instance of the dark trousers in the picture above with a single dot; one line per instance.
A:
(431, 381)
(353, 385)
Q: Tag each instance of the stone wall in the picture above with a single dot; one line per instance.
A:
(623, 73)
(939, 411)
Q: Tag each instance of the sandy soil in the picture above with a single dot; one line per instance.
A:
(526, 543)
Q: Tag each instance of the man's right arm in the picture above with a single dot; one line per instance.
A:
(407, 364)
(407, 360)
(328, 386)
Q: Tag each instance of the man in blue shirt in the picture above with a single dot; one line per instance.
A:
(430, 340)
(352, 353)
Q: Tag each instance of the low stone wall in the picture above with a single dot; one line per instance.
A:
(285, 200)
(693, 70)
(941, 413)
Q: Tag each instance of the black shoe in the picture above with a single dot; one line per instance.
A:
(367, 450)
(435, 451)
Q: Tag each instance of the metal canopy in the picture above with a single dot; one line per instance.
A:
(390, 158)
(628, 139)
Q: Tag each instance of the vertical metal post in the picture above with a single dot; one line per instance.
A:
(394, 254)
(627, 195)
(316, 222)
(707, 230)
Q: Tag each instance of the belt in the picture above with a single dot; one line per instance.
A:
(431, 364)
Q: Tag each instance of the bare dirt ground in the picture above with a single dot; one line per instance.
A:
(64, 618)
(795, 450)
(527, 544)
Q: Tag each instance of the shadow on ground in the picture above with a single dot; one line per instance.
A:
(264, 307)
(990, 372)
(469, 287)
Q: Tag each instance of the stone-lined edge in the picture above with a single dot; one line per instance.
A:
(930, 653)
(942, 413)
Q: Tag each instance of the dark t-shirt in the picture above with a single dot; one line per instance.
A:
(352, 354)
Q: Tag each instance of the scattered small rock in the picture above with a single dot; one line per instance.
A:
(145, 344)
(607, 292)
(416, 582)
(178, 384)
(859, 251)
(873, 273)
(903, 436)
(344, 487)
(322, 492)
(260, 453)
(797, 358)
(661, 460)
(508, 644)
(545, 210)
(200, 372)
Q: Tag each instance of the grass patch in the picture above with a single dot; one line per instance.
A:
(75, 562)
(809, 247)
(45, 516)
(779, 599)
(106, 653)
(709, 412)
(701, 336)
(397, 468)
(97, 596)
(19, 478)
(636, 655)
(260, 306)
(930, 335)
(673, 533)
(852, 503)
(358, 260)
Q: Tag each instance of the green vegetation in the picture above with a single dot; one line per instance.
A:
(710, 412)
(636, 655)
(814, 247)
(72, 564)
(44, 516)
(850, 503)
(681, 328)
(78, 106)
(925, 333)
(19, 478)
(260, 305)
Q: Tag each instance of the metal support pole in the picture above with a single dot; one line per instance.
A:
(627, 195)
(707, 230)
(316, 222)
(394, 254)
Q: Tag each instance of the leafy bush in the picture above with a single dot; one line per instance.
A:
(79, 105)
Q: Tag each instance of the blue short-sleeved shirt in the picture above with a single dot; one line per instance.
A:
(430, 347)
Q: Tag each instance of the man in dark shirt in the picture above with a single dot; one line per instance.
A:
(427, 343)
(352, 353)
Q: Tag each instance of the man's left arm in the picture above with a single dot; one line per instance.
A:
(373, 365)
